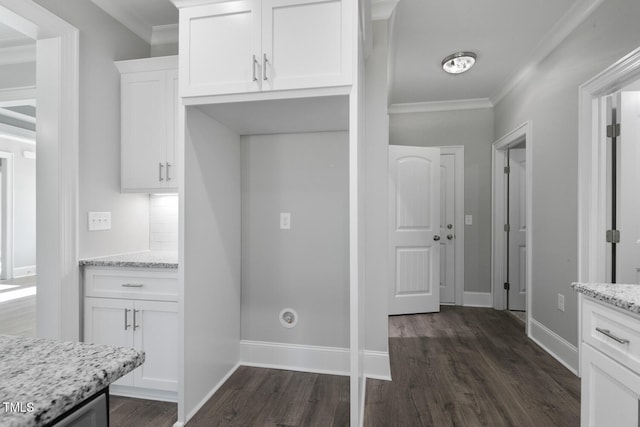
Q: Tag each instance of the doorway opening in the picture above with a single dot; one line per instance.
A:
(595, 170)
(511, 222)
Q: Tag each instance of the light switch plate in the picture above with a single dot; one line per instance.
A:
(285, 220)
(468, 220)
(99, 221)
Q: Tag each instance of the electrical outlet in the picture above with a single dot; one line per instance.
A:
(285, 220)
(99, 221)
(560, 302)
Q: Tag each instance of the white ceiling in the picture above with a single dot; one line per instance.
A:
(503, 33)
(12, 38)
(508, 36)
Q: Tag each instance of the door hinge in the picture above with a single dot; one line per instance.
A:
(507, 286)
(507, 169)
(507, 227)
(613, 130)
(613, 236)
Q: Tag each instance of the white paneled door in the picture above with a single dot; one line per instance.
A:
(414, 229)
(517, 230)
(628, 188)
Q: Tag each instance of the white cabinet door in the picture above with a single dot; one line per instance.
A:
(110, 322)
(172, 95)
(144, 129)
(220, 48)
(305, 43)
(156, 332)
(610, 392)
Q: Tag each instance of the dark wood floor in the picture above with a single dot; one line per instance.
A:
(461, 367)
(127, 412)
(470, 367)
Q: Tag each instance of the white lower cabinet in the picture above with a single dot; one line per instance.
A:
(610, 380)
(145, 324)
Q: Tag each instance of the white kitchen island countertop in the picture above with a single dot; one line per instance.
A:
(47, 378)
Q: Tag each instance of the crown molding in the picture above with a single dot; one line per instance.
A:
(126, 18)
(430, 107)
(18, 54)
(164, 34)
(571, 19)
(383, 9)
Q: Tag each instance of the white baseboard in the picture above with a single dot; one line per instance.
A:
(310, 358)
(562, 350)
(208, 396)
(143, 393)
(376, 365)
(27, 270)
(477, 299)
(295, 357)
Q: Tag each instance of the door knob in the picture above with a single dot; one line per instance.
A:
(449, 226)
(436, 237)
(449, 236)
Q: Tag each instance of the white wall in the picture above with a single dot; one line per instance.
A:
(376, 199)
(17, 75)
(549, 98)
(474, 130)
(307, 267)
(163, 222)
(210, 255)
(103, 41)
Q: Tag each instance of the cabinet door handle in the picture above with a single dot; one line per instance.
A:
(608, 333)
(126, 318)
(132, 285)
(168, 166)
(253, 65)
(135, 325)
(160, 166)
(265, 61)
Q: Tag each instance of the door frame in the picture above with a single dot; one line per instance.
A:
(458, 152)
(57, 154)
(6, 223)
(592, 169)
(498, 213)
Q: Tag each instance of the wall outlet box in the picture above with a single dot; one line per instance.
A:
(285, 221)
(560, 302)
(99, 221)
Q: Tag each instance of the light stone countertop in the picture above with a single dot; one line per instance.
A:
(145, 259)
(623, 296)
(55, 376)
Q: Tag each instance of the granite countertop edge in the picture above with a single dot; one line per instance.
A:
(56, 376)
(624, 296)
(143, 259)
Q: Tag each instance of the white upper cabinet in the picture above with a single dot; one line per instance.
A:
(149, 97)
(250, 45)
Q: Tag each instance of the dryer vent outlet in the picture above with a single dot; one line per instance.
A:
(288, 318)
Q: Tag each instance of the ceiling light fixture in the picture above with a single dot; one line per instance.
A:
(458, 62)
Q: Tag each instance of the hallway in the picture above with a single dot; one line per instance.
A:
(470, 367)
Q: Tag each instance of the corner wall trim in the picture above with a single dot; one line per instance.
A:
(309, 358)
(429, 107)
(478, 299)
(562, 350)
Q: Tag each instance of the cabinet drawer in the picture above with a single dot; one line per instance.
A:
(614, 333)
(156, 284)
